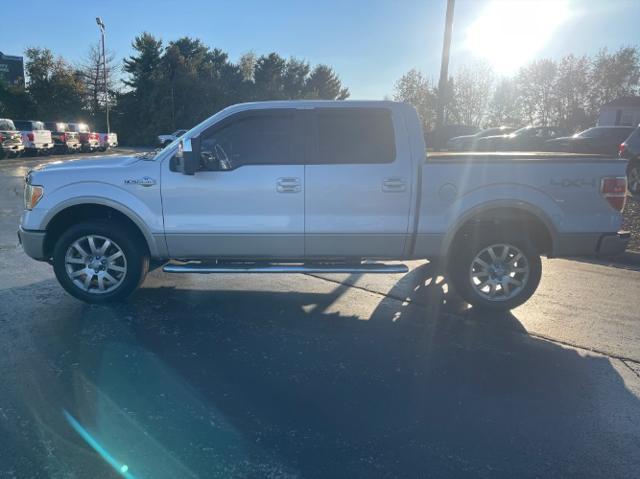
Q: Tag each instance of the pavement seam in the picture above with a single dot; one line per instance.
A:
(624, 359)
(636, 372)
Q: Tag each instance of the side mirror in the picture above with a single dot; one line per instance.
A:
(191, 155)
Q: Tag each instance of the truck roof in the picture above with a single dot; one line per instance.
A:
(302, 104)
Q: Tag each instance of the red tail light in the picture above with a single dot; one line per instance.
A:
(614, 190)
(63, 137)
(30, 136)
(621, 149)
(1, 138)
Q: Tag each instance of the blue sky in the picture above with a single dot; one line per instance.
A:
(369, 43)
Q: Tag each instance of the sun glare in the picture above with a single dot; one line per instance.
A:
(507, 34)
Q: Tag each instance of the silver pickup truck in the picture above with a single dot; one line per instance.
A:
(316, 186)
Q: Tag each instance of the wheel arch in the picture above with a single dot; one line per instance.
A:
(505, 214)
(96, 208)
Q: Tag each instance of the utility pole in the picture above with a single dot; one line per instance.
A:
(104, 71)
(444, 67)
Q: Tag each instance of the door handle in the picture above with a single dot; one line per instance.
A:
(288, 185)
(394, 185)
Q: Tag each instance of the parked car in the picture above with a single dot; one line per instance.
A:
(35, 137)
(10, 140)
(529, 138)
(89, 141)
(165, 140)
(64, 140)
(630, 150)
(319, 186)
(604, 140)
(107, 140)
(469, 142)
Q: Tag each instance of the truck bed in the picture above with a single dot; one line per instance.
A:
(561, 189)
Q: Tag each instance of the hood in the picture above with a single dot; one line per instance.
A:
(94, 163)
(495, 137)
(564, 138)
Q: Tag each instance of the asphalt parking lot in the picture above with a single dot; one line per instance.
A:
(315, 375)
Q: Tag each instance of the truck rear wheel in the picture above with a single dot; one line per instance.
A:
(496, 272)
(99, 261)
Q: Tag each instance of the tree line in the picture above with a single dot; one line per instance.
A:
(160, 87)
(567, 93)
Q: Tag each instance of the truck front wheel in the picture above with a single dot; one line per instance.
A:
(99, 261)
(493, 272)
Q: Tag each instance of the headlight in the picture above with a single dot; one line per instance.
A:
(32, 194)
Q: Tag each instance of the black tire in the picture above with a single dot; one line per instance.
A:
(134, 251)
(460, 271)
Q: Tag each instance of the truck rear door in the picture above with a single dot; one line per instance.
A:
(358, 183)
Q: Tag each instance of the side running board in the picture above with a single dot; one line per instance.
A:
(204, 268)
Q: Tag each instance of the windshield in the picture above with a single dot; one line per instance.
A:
(23, 125)
(503, 130)
(609, 132)
(521, 131)
(7, 125)
(79, 127)
(590, 133)
(56, 127)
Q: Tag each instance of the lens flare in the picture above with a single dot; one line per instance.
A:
(509, 34)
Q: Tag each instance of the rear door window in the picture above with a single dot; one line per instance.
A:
(621, 134)
(354, 136)
(634, 139)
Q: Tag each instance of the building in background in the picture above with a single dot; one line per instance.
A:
(621, 112)
(11, 69)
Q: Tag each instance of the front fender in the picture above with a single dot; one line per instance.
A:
(144, 208)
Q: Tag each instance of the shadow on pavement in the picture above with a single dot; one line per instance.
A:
(228, 383)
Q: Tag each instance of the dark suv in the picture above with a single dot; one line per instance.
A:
(10, 140)
(64, 140)
(603, 140)
(630, 149)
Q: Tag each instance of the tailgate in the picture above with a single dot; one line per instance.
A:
(41, 137)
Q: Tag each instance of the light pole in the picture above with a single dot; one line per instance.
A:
(444, 68)
(104, 71)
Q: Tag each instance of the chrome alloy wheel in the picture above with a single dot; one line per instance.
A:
(95, 264)
(499, 272)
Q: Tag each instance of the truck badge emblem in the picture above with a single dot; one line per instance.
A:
(144, 181)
